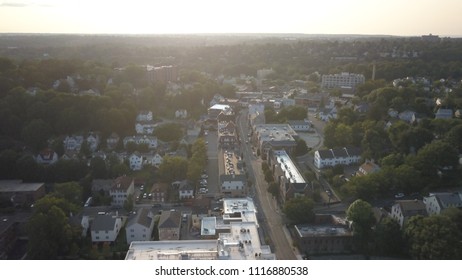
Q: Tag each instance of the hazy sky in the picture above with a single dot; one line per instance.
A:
(390, 17)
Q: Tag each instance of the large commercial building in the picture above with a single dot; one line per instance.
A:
(162, 74)
(234, 236)
(344, 79)
(290, 180)
(327, 235)
(274, 137)
(21, 193)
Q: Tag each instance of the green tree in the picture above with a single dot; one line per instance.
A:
(36, 134)
(169, 132)
(173, 168)
(433, 238)
(362, 218)
(70, 191)
(273, 188)
(299, 210)
(50, 235)
(98, 168)
(388, 238)
(301, 148)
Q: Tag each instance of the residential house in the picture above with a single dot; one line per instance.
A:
(144, 116)
(233, 185)
(93, 140)
(112, 141)
(444, 114)
(136, 161)
(361, 108)
(402, 210)
(151, 141)
(105, 228)
(159, 192)
(156, 160)
(437, 202)
(407, 116)
(140, 226)
(104, 185)
(393, 113)
(338, 156)
(169, 225)
(185, 190)
(328, 234)
(146, 127)
(328, 113)
(46, 157)
(122, 189)
(300, 125)
(181, 114)
(367, 168)
(73, 143)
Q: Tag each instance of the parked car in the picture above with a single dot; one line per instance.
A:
(399, 195)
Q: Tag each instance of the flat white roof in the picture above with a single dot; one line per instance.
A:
(290, 170)
(222, 107)
(243, 243)
(173, 250)
(208, 226)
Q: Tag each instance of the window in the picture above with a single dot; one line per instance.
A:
(97, 237)
(132, 236)
(144, 235)
(132, 230)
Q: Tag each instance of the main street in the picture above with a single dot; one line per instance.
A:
(271, 216)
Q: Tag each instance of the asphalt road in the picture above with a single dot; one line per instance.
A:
(271, 217)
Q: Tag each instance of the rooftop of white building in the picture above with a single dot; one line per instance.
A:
(290, 170)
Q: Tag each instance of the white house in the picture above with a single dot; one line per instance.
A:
(73, 143)
(234, 185)
(327, 114)
(437, 202)
(144, 116)
(181, 114)
(151, 141)
(185, 190)
(93, 140)
(300, 125)
(339, 156)
(47, 156)
(402, 210)
(105, 228)
(156, 160)
(145, 127)
(140, 226)
(136, 161)
(121, 190)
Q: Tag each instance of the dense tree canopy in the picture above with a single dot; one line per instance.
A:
(299, 210)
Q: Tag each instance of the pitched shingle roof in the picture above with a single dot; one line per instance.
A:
(170, 219)
(103, 222)
(143, 217)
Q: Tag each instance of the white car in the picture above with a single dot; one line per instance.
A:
(399, 195)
